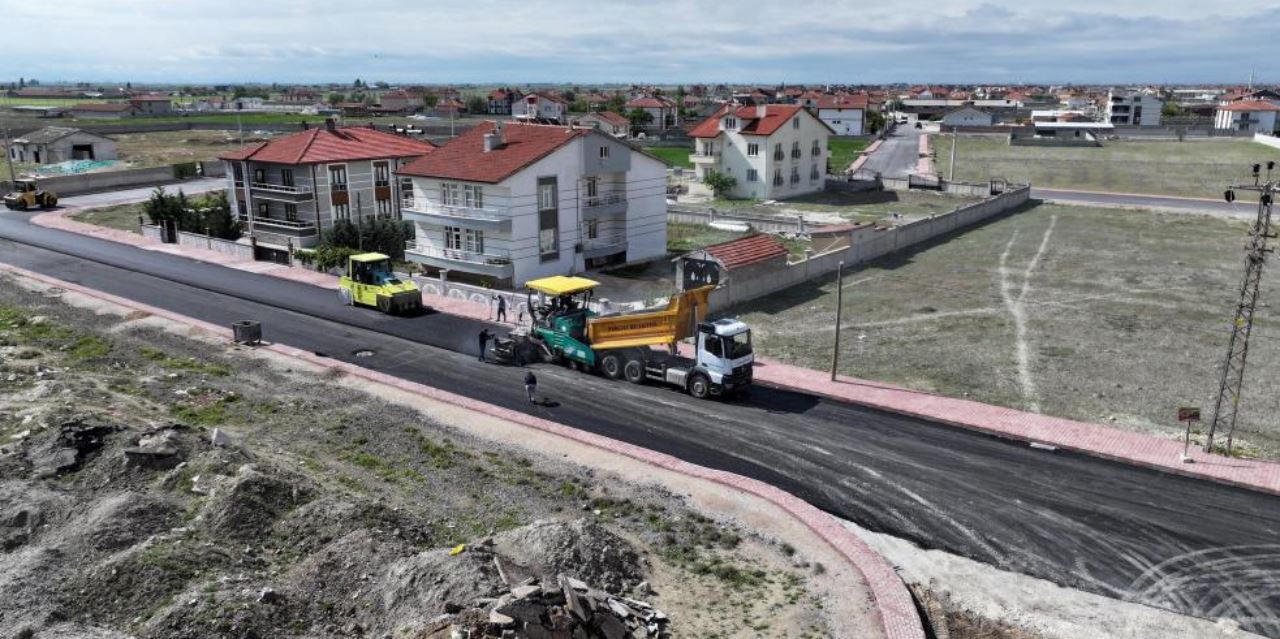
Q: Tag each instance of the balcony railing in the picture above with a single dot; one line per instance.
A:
(297, 225)
(455, 255)
(778, 156)
(606, 241)
(604, 199)
(454, 210)
(281, 188)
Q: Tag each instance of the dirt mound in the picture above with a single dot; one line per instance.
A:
(246, 507)
(316, 523)
(430, 583)
(581, 549)
(66, 447)
(26, 507)
(118, 521)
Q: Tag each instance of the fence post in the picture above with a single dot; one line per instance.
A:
(208, 238)
(289, 246)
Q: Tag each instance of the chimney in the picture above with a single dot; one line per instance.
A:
(761, 110)
(331, 125)
(493, 139)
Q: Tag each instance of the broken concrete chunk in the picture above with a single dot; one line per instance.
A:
(502, 621)
(221, 438)
(524, 592)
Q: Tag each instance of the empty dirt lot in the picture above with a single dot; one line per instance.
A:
(1200, 168)
(1101, 315)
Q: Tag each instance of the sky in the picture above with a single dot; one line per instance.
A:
(641, 41)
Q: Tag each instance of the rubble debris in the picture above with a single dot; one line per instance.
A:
(73, 443)
(562, 607)
(221, 438)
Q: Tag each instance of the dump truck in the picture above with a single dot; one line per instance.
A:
(369, 281)
(27, 195)
(620, 346)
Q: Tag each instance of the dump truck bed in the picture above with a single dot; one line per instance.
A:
(676, 322)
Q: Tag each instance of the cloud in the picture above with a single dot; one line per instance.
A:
(658, 41)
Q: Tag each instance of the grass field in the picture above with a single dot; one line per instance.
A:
(844, 152)
(1118, 315)
(675, 156)
(168, 147)
(1201, 168)
(121, 216)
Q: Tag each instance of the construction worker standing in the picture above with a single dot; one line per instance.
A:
(530, 385)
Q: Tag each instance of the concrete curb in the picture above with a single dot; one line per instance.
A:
(896, 609)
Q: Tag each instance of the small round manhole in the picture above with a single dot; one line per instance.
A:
(364, 352)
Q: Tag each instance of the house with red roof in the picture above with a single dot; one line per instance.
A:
(288, 190)
(398, 101)
(665, 113)
(152, 104)
(542, 106)
(612, 123)
(102, 111)
(845, 114)
(772, 151)
(733, 263)
(1255, 116)
(507, 202)
(500, 100)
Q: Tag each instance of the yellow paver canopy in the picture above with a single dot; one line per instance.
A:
(561, 285)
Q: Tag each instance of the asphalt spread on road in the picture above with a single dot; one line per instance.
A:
(1186, 545)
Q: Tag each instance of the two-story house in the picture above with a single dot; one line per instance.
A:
(500, 101)
(772, 151)
(1130, 108)
(507, 202)
(152, 104)
(540, 107)
(1254, 116)
(607, 121)
(845, 114)
(664, 112)
(290, 189)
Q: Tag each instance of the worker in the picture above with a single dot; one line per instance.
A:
(502, 308)
(530, 385)
(484, 336)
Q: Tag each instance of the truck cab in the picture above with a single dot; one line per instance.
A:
(724, 355)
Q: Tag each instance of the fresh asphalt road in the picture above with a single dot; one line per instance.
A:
(1191, 546)
(897, 155)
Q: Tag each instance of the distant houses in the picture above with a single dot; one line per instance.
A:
(54, 144)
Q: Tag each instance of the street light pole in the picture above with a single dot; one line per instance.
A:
(8, 156)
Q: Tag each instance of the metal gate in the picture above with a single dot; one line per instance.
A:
(927, 182)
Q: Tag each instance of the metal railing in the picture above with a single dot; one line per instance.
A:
(605, 241)
(296, 225)
(427, 207)
(457, 255)
(281, 188)
(778, 156)
(604, 199)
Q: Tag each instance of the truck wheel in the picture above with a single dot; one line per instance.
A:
(384, 304)
(49, 202)
(633, 371)
(345, 295)
(611, 366)
(700, 386)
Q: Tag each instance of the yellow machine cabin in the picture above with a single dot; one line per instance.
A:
(369, 281)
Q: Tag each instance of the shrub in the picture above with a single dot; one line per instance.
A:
(719, 183)
(370, 235)
(206, 214)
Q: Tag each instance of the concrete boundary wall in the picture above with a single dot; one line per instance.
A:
(65, 185)
(226, 247)
(969, 189)
(1269, 140)
(749, 283)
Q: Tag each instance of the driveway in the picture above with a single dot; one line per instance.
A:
(897, 155)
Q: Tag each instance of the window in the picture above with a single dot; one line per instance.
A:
(708, 148)
(777, 178)
(813, 173)
(593, 187)
(712, 345)
(777, 152)
(795, 122)
(383, 207)
(449, 194)
(753, 149)
(817, 149)
(341, 211)
(752, 176)
(795, 149)
(243, 210)
(406, 191)
(259, 176)
(547, 195)
(730, 124)
(291, 212)
(593, 229)
(338, 178)
(473, 196)
(236, 169)
(795, 175)
(286, 177)
(381, 174)
(460, 239)
(263, 209)
(604, 153)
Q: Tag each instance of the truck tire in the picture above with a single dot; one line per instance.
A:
(611, 365)
(699, 386)
(633, 371)
(49, 202)
(345, 296)
(384, 304)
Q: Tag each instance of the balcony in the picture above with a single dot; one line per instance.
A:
(436, 214)
(707, 157)
(494, 264)
(603, 246)
(281, 192)
(604, 204)
(778, 156)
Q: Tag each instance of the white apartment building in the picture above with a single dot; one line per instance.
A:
(505, 203)
(845, 115)
(1254, 116)
(1130, 108)
(772, 151)
(540, 106)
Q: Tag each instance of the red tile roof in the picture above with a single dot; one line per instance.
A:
(746, 251)
(1250, 105)
(775, 116)
(322, 145)
(150, 98)
(464, 158)
(650, 103)
(842, 102)
(612, 118)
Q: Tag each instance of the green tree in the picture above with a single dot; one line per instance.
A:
(580, 106)
(639, 117)
(569, 96)
(875, 121)
(1171, 110)
(335, 98)
(370, 235)
(617, 103)
(207, 214)
(719, 183)
(477, 104)
(430, 100)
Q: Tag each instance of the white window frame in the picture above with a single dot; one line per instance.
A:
(753, 149)
(753, 175)
(473, 196)
(604, 152)
(450, 194)
(342, 211)
(547, 197)
(381, 173)
(337, 171)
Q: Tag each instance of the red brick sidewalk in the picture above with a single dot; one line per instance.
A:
(864, 156)
(894, 605)
(1094, 439)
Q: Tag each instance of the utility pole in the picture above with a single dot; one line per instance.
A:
(951, 168)
(8, 157)
(835, 349)
(1227, 405)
